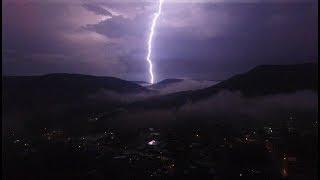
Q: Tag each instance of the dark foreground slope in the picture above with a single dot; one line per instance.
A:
(63, 87)
(260, 81)
(58, 98)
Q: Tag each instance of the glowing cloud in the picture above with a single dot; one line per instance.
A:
(153, 25)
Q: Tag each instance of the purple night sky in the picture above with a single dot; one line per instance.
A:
(204, 39)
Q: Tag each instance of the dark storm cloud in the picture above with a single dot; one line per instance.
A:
(119, 26)
(97, 9)
(42, 33)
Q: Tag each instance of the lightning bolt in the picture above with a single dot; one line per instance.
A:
(153, 25)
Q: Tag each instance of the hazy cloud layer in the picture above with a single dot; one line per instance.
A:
(185, 85)
(229, 107)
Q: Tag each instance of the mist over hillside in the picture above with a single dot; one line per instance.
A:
(64, 100)
(228, 107)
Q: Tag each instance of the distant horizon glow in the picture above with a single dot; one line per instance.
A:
(153, 25)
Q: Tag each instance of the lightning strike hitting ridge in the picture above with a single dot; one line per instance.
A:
(154, 22)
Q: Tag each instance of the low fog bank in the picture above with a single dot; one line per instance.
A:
(185, 85)
(228, 107)
(116, 97)
(223, 108)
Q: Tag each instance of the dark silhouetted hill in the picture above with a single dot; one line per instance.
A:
(62, 87)
(58, 99)
(260, 81)
(273, 79)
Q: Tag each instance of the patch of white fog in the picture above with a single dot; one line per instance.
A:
(227, 102)
(185, 85)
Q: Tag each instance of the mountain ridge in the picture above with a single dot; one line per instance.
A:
(259, 81)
